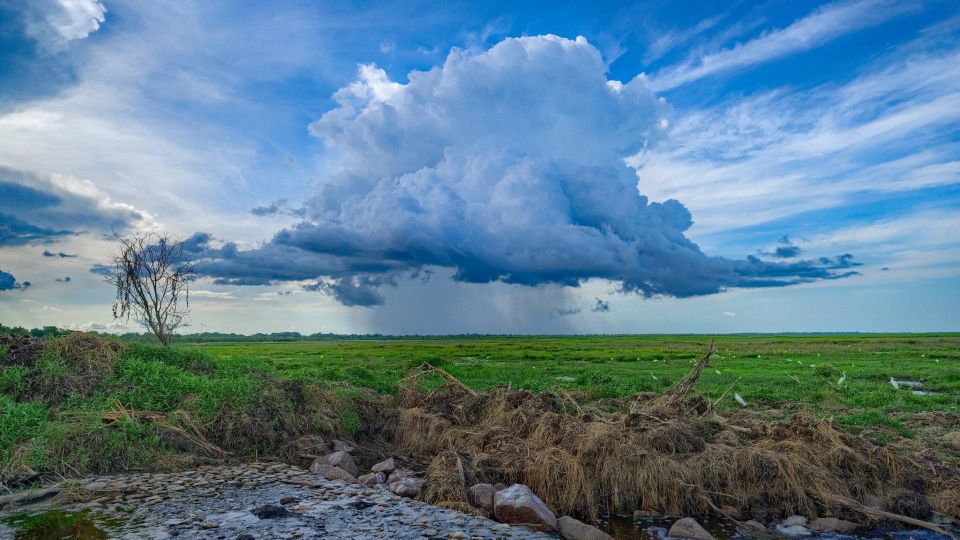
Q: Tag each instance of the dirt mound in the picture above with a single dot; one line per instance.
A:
(72, 365)
(22, 349)
(582, 459)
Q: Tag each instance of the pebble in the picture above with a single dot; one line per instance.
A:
(210, 502)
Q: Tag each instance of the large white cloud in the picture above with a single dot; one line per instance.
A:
(504, 165)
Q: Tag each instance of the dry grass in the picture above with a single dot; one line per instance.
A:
(581, 460)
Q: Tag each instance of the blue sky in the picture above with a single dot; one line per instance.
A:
(489, 167)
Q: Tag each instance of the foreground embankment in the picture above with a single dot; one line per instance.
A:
(82, 405)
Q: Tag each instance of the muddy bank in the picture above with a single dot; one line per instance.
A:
(259, 500)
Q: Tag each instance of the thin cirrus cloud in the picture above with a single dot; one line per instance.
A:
(889, 131)
(505, 165)
(826, 23)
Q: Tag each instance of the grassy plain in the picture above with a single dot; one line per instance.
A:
(71, 409)
(786, 372)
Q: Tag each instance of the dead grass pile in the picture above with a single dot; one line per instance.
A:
(21, 349)
(72, 365)
(582, 460)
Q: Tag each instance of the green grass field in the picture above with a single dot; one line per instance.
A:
(774, 372)
(251, 398)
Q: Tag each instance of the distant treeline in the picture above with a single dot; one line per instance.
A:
(221, 337)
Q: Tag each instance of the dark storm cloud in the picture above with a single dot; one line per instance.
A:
(278, 206)
(786, 249)
(36, 209)
(600, 306)
(8, 282)
(62, 255)
(504, 166)
(16, 232)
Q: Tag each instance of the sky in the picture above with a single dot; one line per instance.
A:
(488, 167)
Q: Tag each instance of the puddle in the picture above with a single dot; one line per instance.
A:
(83, 525)
(625, 528)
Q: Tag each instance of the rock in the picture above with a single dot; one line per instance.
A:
(481, 496)
(646, 514)
(340, 446)
(572, 529)
(517, 504)
(753, 529)
(405, 486)
(373, 479)
(343, 460)
(794, 520)
(731, 511)
(386, 466)
(833, 525)
(288, 500)
(245, 537)
(332, 473)
(793, 530)
(270, 511)
(689, 528)
(209, 525)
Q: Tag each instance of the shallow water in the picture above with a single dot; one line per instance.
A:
(57, 524)
(625, 528)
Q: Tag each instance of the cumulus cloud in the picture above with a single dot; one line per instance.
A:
(55, 23)
(503, 165)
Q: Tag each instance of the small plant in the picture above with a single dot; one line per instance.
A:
(827, 371)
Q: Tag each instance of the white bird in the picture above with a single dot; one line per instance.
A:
(718, 371)
(894, 383)
(842, 378)
(654, 377)
(740, 400)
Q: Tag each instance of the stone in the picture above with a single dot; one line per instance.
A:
(794, 520)
(245, 537)
(405, 486)
(753, 529)
(793, 530)
(344, 461)
(373, 479)
(271, 511)
(340, 446)
(833, 525)
(689, 528)
(386, 466)
(481, 496)
(646, 514)
(731, 511)
(572, 529)
(517, 504)
(332, 473)
(209, 525)
(288, 500)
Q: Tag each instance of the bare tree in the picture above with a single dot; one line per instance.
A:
(152, 275)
